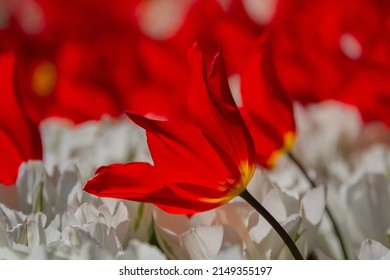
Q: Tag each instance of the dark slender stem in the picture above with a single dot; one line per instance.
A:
(332, 219)
(337, 232)
(274, 223)
(301, 168)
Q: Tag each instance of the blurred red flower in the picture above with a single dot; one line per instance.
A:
(79, 52)
(19, 138)
(331, 49)
(64, 60)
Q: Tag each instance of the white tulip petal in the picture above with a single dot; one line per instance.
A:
(168, 228)
(52, 235)
(237, 215)
(368, 201)
(279, 205)
(75, 236)
(373, 250)
(116, 215)
(87, 214)
(313, 205)
(203, 242)
(29, 183)
(68, 180)
(35, 234)
(122, 232)
(106, 237)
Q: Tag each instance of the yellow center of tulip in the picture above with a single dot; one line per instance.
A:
(44, 79)
(246, 171)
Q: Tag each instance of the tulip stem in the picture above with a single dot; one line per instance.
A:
(302, 169)
(330, 215)
(274, 223)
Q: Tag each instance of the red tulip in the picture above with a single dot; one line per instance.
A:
(19, 139)
(198, 164)
(331, 49)
(69, 60)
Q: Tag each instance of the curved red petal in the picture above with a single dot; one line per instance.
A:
(212, 108)
(131, 181)
(144, 183)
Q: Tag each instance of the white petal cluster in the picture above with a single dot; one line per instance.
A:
(352, 159)
(47, 215)
(92, 144)
(66, 223)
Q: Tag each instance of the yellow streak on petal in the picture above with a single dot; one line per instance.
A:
(44, 79)
(247, 172)
(289, 141)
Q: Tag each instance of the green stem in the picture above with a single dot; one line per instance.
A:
(274, 223)
(330, 215)
(40, 205)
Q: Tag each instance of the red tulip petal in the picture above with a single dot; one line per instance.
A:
(213, 109)
(172, 201)
(182, 153)
(183, 206)
(131, 181)
(144, 183)
(266, 110)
